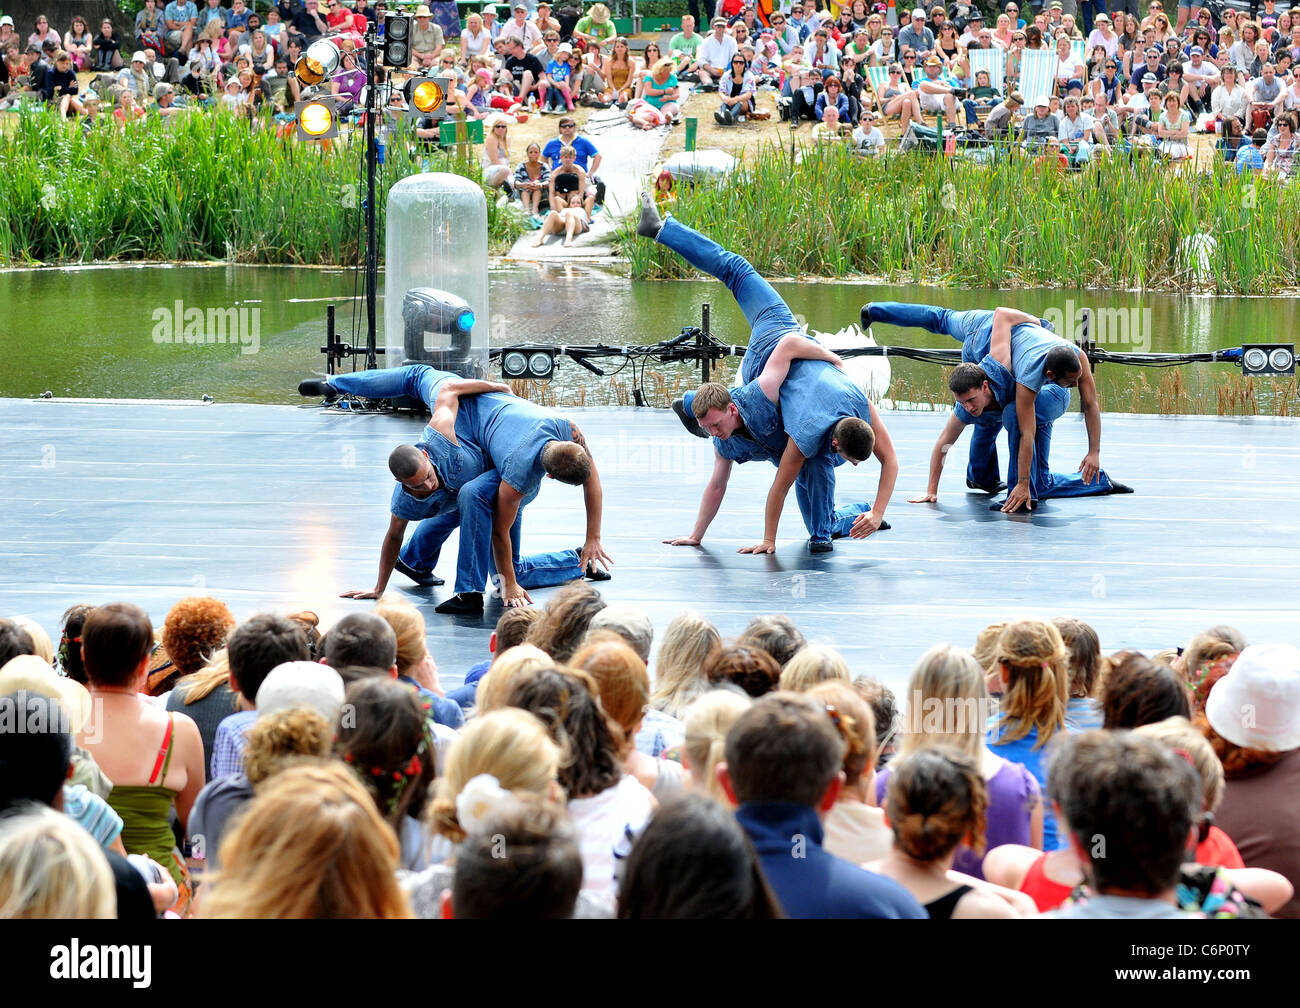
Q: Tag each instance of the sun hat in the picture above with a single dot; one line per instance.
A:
(423, 11)
(139, 58)
(1257, 704)
(1042, 101)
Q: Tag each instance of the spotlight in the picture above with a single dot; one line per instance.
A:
(535, 364)
(397, 40)
(426, 97)
(429, 310)
(316, 119)
(1268, 359)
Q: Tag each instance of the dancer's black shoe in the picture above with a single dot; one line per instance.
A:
(424, 578)
(996, 488)
(317, 387)
(462, 604)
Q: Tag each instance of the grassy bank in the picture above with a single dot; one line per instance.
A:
(204, 187)
(914, 218)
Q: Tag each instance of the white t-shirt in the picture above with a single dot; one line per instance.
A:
(1070, 68)
(871, 140)
(717, 54)
(605, 823)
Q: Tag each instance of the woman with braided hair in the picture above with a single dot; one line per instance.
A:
(1033, 665)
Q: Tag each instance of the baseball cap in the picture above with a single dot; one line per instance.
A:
(1197, 51)
(1150, 78)
(918, 12)
(564, 47)
(522, 7)
(1042, 100)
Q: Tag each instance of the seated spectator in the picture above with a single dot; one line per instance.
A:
(51, 868)
(415, 666)
(1139, 691)
(1279, 152)
(1252, 719)
(1042, 128)
(567, 216)
(998, 123)
(525, 70)
(624, 691)
(605, 803)
(531, 180)
(384, 737)
(596, 28)
(947, 707)
(936, 96)
(256, 647)
(311, 23)
(1141, 798)
(475, 40)
(936, 801)
(180, 21)
(521, 862)
(61, 85)
(746, 666)
(856, 829)
(1207, 659)
(106, 52)
(554, 91)
(301, 702)
(154, 758)
(427, 40)
(783, 771)
(212, 11)
(194, 634)
(738, 92)
(511, 630)
(707, 721)
(813, 664)
(777, 635)
(694, 862)
(867, 138)
(77, 43)
(1033, 666)
(271, 857)
(1083, 712)
(565, 620)
(1079, 132)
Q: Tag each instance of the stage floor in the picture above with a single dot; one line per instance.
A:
(282, 508)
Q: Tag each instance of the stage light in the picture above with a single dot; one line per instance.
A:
(316, 120)
(426, 97)
(397, 40)
(1268, 359)
(536, 364)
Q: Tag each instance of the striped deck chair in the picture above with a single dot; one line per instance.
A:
(879, 78)
(992, 60)
(1037, 75)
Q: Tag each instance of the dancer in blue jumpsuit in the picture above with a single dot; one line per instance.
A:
(457, 485)
(812, 396)
(1030, 343)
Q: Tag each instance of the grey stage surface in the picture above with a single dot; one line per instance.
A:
(283, 508)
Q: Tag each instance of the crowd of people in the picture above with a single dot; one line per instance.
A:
(206, 770)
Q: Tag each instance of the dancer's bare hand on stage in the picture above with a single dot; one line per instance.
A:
(925, 498)
(593, 551)
(361, 594)
(766, 546)
(1090, 467)
(682, 541)
(515, 597)
(864, 524)
(1017, 498)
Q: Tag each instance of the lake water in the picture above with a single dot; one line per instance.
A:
(95, 331)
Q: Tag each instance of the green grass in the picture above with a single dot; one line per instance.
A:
(919, 218)
(207, 187)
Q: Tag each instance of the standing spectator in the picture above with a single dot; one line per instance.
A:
(107, 50)
(180, 19)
